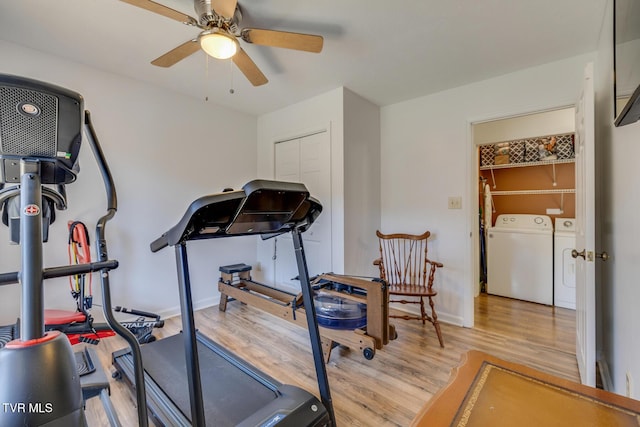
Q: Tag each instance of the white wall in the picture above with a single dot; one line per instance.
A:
(428, 155)
(164, 151)
(532, 125)
(362, 184)
(619, 202)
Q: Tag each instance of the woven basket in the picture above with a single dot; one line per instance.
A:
(487, 155)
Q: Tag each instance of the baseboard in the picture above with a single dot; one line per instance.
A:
(451, 319)
(605, 375)
(443, 317)
(197, 305)
(210, 302)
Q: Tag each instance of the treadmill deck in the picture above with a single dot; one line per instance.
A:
(222, 382)
(233, 390)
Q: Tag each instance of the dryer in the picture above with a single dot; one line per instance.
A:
(564, 265)
(520, 258)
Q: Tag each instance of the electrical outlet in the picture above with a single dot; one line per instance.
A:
(629, 385)
(455, 202)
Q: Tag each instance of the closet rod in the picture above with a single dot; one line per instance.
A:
(526, 192)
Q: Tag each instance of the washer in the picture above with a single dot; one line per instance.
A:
(564, 265)
(520, 258)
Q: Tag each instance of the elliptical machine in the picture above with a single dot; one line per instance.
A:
(40, 136)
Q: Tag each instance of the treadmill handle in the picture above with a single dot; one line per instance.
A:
(160, 243)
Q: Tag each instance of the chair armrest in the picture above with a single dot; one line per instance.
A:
(432, 273)
(436, 263)
(380, 265)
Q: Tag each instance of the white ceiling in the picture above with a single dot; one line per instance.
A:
(385, 51)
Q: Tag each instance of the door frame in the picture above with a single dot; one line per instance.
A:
(472, 289)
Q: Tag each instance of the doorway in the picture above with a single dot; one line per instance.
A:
(541, 184)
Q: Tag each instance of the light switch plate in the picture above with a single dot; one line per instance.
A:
(455, 202)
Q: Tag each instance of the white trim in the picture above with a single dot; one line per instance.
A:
(473, 252)
(605, 375)
(198, 305)
(443, 317)
(301, 133)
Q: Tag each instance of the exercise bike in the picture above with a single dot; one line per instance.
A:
(40, 137)
(78, 325)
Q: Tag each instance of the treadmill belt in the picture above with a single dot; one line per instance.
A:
(229, 394)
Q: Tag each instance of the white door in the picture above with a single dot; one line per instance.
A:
(306, 160)
(585, 232)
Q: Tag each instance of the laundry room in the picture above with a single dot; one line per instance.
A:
(526, 207)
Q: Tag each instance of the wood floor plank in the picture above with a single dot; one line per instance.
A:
(392, 387)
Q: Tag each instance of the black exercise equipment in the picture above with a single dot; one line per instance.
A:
(78, 325)
(141, 327)
(205, 384)
(9, 333)
(40, 135)
(95, 383)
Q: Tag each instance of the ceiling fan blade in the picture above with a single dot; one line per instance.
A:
(161, 10)
(249, 68)
(225, 8)
(177, 54)
(297, 41)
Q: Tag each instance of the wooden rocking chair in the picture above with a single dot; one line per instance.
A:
(409, 273)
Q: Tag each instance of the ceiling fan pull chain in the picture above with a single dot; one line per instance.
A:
(206, 77)
(231, 90)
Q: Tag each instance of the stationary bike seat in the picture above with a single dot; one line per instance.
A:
(62, 317)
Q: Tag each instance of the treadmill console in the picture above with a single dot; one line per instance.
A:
(263, 207)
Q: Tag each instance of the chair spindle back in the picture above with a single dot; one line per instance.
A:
(404, 258)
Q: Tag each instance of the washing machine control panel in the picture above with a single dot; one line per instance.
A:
(529, 221)
(565, 224)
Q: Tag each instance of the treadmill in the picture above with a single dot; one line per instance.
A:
(190, 379)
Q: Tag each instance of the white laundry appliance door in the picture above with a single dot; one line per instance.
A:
(564, 264)
(520, 264)
(564, 282)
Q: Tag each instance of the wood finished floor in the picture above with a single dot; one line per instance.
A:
(390, 389)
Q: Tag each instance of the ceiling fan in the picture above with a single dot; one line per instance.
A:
(219, 21)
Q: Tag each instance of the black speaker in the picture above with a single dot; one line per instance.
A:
(39, 121)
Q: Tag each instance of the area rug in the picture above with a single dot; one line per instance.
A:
(487, 391)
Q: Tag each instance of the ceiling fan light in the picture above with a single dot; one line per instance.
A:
(219, 44)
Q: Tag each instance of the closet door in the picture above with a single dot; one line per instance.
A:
(306, 160)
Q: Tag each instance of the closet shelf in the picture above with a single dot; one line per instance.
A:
(526, 164)
(527, 192)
